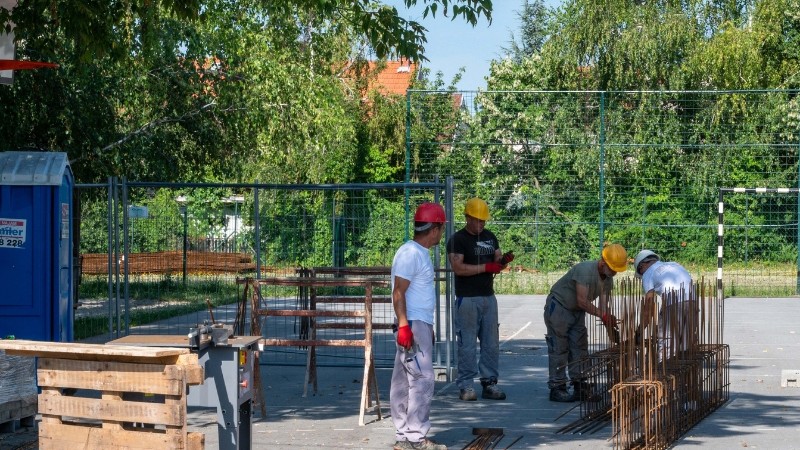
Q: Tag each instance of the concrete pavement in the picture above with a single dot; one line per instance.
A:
(764, 340)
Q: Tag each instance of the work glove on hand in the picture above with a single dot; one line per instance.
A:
(405, 338)
(493, 267)
(611, 326)
(507, 258)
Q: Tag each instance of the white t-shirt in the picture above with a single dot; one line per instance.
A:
(667, 277)
(412, 262)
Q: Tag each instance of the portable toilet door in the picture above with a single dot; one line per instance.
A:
(36, 246)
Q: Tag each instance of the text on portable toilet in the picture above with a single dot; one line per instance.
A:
(12, 233)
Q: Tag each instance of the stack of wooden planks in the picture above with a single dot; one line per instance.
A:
(127, 397)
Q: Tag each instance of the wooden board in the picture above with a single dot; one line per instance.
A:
(152, 340)
(112, 376)
(195, 441)
(110, 410)
(55, 436)
(96, 352)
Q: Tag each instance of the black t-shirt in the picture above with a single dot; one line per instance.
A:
(477, 249)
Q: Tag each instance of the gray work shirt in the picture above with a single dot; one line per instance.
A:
(586, 273)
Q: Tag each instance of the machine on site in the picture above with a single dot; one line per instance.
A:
(227, 362)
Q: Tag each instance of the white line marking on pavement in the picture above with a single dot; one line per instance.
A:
(515, 334)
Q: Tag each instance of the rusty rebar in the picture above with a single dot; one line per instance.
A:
(664, 370)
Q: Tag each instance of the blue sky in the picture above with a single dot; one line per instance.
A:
(452, 45)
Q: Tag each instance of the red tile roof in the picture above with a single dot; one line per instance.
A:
(395, 78)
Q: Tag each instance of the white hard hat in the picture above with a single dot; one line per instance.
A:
(641, 256)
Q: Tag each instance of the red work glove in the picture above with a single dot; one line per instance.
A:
(493, 267)
(507, 258)
(405, 338)
(609, 320)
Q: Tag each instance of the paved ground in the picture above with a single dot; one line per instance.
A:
(764, 338)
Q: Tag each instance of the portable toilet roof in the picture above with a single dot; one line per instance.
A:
(32, 168)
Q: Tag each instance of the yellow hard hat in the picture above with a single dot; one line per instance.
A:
(477, 208)
(616, 257)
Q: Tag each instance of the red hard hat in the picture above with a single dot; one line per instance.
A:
(430, 212)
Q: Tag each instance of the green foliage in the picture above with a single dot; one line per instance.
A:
(380, 139)
(94, 224)
(208, 90)
(533, 18)
(161, 229)
(93, 27)
(383, 231)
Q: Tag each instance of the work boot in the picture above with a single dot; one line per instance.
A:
(584, 391)
(561, 394)
(490, 389)
(402, 445)
(427, 444)
(467, 394)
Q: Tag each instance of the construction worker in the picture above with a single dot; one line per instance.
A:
(475, 257)
(673, 284)
(414, 301)
(570, 299)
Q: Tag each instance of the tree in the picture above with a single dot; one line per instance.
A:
(206, 89)
(93, 25)
(627, 109)
(533, 18)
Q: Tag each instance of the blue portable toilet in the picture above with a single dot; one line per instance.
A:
(36, 246)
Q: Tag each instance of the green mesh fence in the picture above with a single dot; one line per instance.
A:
(177, 251)
(760, 242)
(565, 172)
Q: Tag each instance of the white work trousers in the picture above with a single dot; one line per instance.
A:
(412, 385)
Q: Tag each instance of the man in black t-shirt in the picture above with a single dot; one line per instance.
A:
(475, 257)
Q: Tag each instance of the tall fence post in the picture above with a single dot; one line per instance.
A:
(449, 286)
(125, 255)
(601, 172)
(110, 224)
(257, 229)
(184, 211)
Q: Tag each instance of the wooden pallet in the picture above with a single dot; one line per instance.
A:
(17, 392)
(107, 378)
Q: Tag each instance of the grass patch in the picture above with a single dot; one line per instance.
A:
(753, 280)
(90, 326)
(170, 297)
(163, 287)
